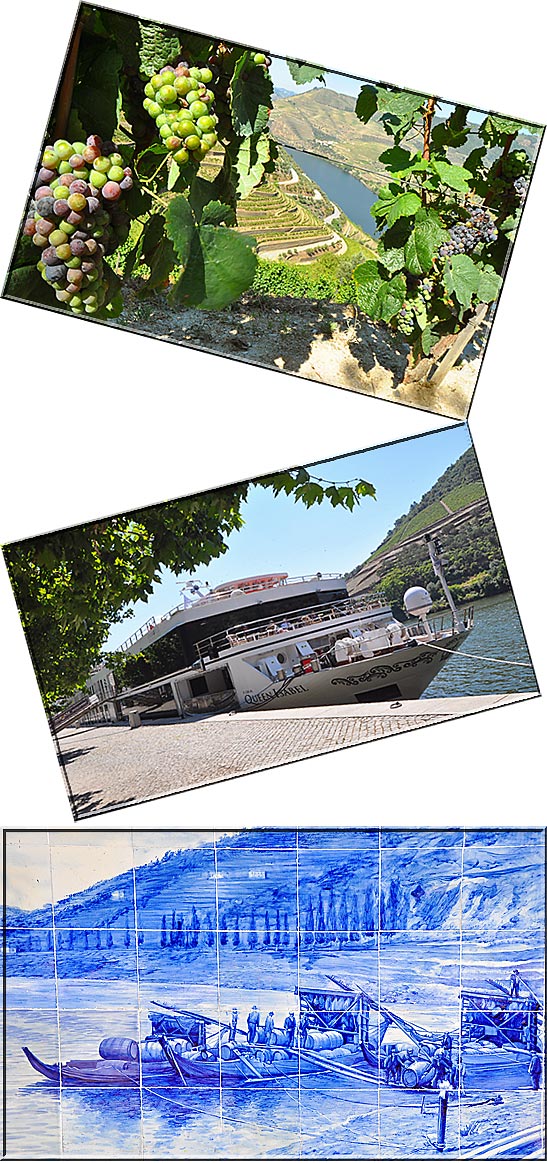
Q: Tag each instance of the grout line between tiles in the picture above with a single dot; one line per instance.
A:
(61, 1151)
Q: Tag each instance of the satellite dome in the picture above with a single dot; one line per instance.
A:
(417, 601)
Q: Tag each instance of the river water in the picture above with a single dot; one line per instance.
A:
(347, 192)
(317, 1116)
(497, 633)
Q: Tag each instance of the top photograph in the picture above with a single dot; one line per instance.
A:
(339, 229)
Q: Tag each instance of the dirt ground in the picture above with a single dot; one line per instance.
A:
(325, 342)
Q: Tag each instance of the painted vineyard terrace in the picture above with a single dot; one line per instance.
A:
(232, 188)
(358, 994)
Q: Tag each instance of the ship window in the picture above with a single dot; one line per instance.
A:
(281, 658)
(198, 686)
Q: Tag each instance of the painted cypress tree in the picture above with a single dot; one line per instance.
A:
(343, 919)
(286, 934)
(127, 935)
(86, 940)
(163, 938)
(209, 935)
(393, 904)
(223, 929)
(174, 931)
(195, 928)
(332, 920)
(252, 938)
(382, 911)
(277, 931)
(71, 938)
(368, 922)
(110, 939)
(140, 938)
(309, 925)
(321, 926)
(235, 934)
(98, 944)
(354, 934)
(266, 940)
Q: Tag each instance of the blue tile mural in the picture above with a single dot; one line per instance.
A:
(275, 994)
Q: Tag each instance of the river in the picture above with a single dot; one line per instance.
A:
(317, 1115)
(347, 192)
(497, 633)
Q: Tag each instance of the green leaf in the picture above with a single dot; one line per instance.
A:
(378, 297)
(367, 103)
(395, 158)
(428, 339)
(252, 158)
(456, 177)
(474, 159)
(218, 214)
(180, 227)
(26, 283)
(490, 284)
(161, 264)
(424, 242)
(402, 206)
(461, 278)
(391, 257)
(96, 96)
(399, 102)
(221, 266)
(159, 46)
(251, 93)
(302, 73)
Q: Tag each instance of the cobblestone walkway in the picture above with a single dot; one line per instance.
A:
(109, 767)
(112, 766)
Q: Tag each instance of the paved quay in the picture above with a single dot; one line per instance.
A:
(108, 767)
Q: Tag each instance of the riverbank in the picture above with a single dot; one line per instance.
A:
(108, 767)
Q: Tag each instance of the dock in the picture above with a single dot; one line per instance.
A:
(111, 766)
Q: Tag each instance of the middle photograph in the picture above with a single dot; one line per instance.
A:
(271, 620)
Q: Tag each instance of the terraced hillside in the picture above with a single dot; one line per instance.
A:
(280, 222)
(451, 502)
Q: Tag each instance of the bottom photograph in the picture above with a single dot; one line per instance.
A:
(275, 993)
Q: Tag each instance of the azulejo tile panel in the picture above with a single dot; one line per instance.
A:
(282, 1007)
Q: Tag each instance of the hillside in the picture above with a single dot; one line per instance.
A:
(475, 566)
(324, 122)
(251, 889)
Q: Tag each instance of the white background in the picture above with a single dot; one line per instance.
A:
(96, 421)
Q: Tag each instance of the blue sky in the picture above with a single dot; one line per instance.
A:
(281, 534)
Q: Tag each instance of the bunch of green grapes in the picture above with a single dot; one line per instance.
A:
(406, 321)
(182, 106)
(75, 218)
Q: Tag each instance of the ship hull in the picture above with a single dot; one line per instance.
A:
(404, 673)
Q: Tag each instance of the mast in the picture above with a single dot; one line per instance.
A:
(435, 551)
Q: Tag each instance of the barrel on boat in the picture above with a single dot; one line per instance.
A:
(280, 1055)
(418, 1074)
(125, 1049)
(323, 1040)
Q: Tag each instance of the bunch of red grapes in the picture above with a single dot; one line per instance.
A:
(75, 218)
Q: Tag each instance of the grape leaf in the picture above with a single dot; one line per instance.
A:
(221, 266)
(161, 262)
(461, 278)
(252, 157)
(490, 284)
(391, 257)
(379, 298)
(251, 97)
(400, 103)
(456, 177)
(395, 158)
(367, 103)
(25, 283)
(401, 206)
(180, 227)
(217, 214)
(159, 46)
(302, 73)
(96, 97)
(424, 242)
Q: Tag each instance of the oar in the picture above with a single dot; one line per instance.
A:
(172, 1059)
(338, 1068)
(243, 1058)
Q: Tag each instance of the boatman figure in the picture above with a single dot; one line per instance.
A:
(534, 1070)
(233, 1026)
(269, 1028)
(253, 1021)
(289, 1026)
(514, 983)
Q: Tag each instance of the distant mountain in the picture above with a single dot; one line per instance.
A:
(254, 892)
(278, 93)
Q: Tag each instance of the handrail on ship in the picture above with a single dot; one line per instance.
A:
(213, 596)
(304, 619)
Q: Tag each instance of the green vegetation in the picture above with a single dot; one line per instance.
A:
(456, 499)
(73, 585)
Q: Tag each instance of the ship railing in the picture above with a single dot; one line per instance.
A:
(220, 596)
(306, 619)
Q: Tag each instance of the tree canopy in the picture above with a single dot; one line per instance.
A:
(71, 586)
